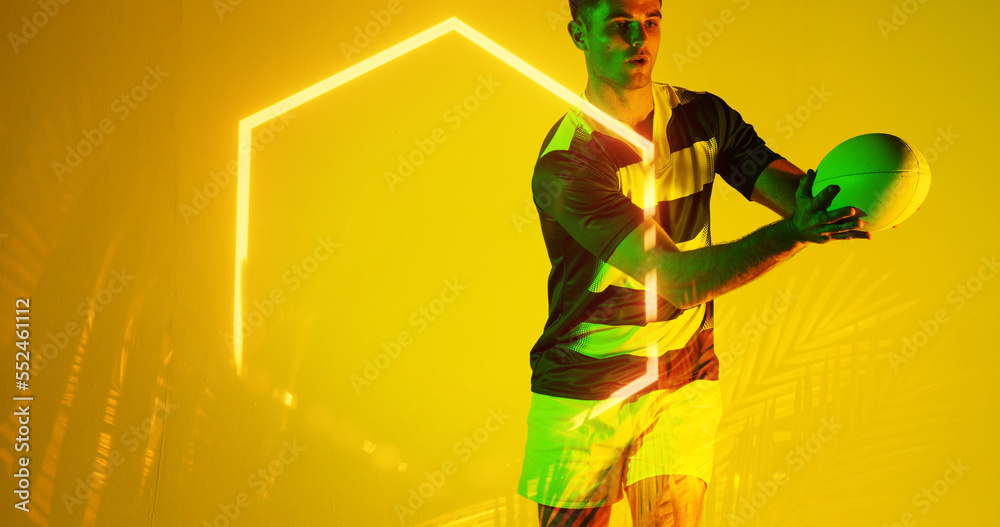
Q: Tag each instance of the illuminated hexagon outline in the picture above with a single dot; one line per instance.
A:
(247, 125)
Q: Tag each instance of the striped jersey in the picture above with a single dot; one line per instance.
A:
(588, 187)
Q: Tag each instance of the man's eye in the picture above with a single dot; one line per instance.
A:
(652, 23)
(618, 25)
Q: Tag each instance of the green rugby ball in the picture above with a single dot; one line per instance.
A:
(880, 174)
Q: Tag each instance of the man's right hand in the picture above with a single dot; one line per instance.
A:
(812, 223)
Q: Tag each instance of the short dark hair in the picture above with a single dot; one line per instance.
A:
(575, 5)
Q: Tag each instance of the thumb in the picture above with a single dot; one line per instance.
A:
(806, 184)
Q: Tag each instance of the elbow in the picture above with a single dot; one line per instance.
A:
(690, 297)
(682, 305)
(673, 292)
(681, 299)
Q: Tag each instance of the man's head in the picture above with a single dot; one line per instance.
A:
(619, 39)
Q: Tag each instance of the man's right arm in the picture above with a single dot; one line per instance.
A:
(688, 278)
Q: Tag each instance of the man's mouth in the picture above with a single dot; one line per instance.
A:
(639, 61)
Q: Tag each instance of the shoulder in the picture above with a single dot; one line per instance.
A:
(688, 105)
(580, 157)
(552, 132)
(697, 109)
(569, 139)
(676, 96)
(693, 101)
(572, 133)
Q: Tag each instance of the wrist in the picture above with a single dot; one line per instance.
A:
(788, 236)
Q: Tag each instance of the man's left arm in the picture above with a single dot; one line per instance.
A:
(776, 185)
(775, 189)
(741, 151)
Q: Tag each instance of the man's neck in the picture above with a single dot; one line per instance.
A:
(632, 107)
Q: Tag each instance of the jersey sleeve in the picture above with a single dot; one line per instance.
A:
(742, 153)
(581, 192)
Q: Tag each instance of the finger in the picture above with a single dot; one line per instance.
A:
(843, 214)
(825, 198)
(849, 235)
(843, 226)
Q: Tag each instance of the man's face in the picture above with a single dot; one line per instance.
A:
(613, 33)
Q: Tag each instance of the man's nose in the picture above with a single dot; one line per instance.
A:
(638, 35)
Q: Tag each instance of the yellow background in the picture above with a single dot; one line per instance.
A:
(158, 342)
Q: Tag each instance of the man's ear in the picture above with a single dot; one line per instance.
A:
(577, 33)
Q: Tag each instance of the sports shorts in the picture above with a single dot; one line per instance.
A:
(582, 453)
